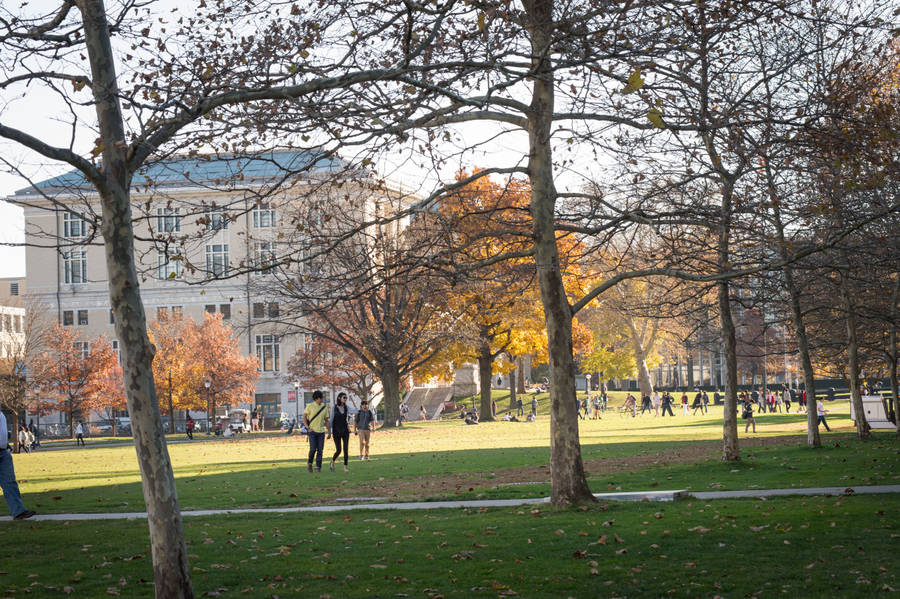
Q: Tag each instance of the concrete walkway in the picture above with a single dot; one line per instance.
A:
(479, 503)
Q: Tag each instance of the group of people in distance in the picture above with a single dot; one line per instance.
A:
(320, 424)
(659, 404)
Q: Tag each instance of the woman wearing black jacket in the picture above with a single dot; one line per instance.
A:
(340, 430)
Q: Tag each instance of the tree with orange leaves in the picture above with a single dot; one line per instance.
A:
(212, 353)
(72, 371)
(173, 367)
(107, 393)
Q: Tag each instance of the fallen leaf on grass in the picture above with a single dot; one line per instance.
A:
(702, 530)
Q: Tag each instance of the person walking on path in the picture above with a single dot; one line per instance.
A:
(705, 402)
(645, 404)
(189, 428)
(254, 421)
(656, 401)
(340, 430)
(8, 477)
(422, 414)
(520, 410)
(685, 411)
(820, 412)
(534, 406)
(315, 417)
(786, 399)
(79, 433)
(363, 426)
(748, 416)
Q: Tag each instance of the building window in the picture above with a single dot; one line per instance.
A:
(162, 312)
(264, 254)
(168, 264)
(216, 219)
(75, 263)
(14, 288)
(112, 317)
(17, 322)
(115, 348)
(260, 310)
(264, 216)
(82, 317)
(225, 309)
(7, 323)
(210, 308)
(68, 318)
(83, 347)
(267, 352)
(217, 259)
(74, 226)
(168, 220)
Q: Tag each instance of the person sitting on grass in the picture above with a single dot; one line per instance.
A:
(530, 417)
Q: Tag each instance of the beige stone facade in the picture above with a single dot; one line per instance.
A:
(193, 247)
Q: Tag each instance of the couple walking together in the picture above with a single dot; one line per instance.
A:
(336, 425)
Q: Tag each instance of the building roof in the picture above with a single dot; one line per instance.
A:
(209, 170)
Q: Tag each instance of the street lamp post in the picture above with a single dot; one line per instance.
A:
(207, 383)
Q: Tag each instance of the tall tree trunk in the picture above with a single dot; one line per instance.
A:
(862, 426)
(171, 570)
(895, 385)
(641, 347)
(520, 367)
(390, 385)
(171, 407)
(485, 360)
(15, 431)
(568, 484)
(730, 450)
(809, 382)
(513, 380)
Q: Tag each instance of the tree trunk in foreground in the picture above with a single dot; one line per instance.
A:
(513, 381)
(485, 379)
(390, 386)
(862, 427)
(171, 571)
(809, 381)
(568, 484)
(641, 348)
(730, 449)
(895, 385)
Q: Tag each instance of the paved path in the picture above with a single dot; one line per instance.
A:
(479, 503)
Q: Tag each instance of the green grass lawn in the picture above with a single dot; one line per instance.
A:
(806, 546)
(802, 547)
(439, 460)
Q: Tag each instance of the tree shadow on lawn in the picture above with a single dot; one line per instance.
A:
(494, 472)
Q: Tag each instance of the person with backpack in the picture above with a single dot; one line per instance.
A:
(748, 416)
(363, 426)
(189, 428)
(315, 417)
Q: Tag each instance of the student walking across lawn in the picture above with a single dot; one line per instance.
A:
(315, 417)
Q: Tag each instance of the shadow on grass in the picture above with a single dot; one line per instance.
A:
(285, 482)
